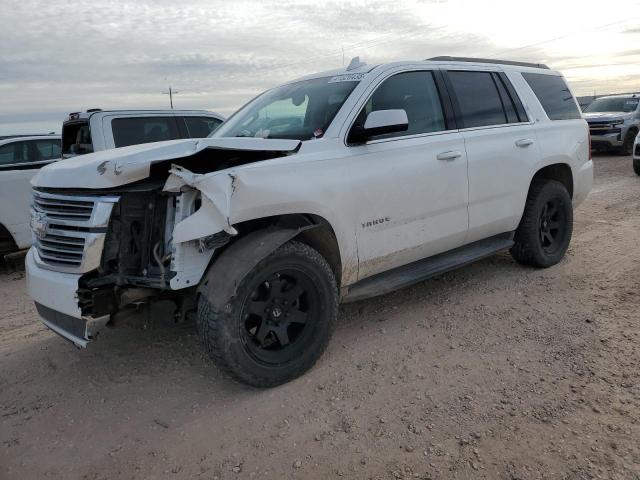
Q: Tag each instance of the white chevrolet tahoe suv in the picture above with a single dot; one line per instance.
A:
(334, 187)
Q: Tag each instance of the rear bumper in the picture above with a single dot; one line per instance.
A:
(56, 298)
(582, 182)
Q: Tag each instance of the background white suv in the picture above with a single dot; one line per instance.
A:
(334, 187)
(20, 158)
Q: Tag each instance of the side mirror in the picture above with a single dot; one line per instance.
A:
(381, 122)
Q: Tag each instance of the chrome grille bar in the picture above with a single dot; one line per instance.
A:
(69, 230)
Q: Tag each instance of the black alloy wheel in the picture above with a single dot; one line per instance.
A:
(545, 230)
(552, 226)
(278, 321)
(276, 315)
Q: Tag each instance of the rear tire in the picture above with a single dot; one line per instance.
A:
(278, 322)
(544, 233)
(636, 165)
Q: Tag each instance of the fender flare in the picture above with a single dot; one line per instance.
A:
(220, 283)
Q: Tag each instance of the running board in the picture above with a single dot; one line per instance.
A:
(421, 270)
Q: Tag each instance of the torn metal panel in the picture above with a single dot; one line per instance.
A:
(213, 214)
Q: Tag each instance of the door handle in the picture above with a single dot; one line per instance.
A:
(524, 142)
(451, 155)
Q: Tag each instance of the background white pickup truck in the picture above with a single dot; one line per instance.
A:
(94, 130)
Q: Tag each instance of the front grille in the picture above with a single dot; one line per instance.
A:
(60, 250)
(603, 128)
(63, 209)
(69, 230)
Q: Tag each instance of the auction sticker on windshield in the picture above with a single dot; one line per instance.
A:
(349, 77)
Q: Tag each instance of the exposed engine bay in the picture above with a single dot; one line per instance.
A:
(163, 230)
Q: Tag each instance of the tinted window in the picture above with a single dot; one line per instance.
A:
(415, 93)
(134, 131)
(507, 102)
(554, 95)
(478, 99)
(16, 152)
(200, 127)
(46, 149)
(76, 138)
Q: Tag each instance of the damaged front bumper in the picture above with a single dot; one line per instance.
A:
(56, 298)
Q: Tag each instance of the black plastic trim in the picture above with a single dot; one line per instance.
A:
(426, 268)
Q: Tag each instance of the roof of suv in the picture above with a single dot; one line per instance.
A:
(621, 95)
(4, 141)
(363, 68)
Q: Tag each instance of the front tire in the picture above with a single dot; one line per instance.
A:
(636, 165)
(544, 233)
(278, 322)
(627, 146)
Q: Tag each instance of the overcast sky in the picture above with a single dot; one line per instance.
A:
(62, 56)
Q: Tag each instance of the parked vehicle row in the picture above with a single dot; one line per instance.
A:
(331, 188)
(614, 122)
(83, 132)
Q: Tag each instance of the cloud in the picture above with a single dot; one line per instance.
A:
(65, 56)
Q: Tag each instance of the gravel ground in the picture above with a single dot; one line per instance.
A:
(493, 371)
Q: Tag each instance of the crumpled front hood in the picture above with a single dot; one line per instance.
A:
(605, 116)
(121, 166)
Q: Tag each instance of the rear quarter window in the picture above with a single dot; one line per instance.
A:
(554, 95)
(200, 127)
(47, 149)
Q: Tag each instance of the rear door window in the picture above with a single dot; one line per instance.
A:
(554, 95)
(135, 131)
(479, 101)
(200, 127)
(46, 149)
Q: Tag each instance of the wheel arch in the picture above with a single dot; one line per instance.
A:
(257, 238)
(560, 172)
(7, 242)
(315, 231)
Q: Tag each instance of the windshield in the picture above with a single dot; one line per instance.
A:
(618, 104)
(297, 111)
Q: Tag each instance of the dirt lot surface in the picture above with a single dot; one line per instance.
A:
(494, 371)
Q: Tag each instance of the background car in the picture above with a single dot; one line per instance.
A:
(20, 159)
(614, 122)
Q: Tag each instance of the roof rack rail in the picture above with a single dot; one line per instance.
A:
(447, 58)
